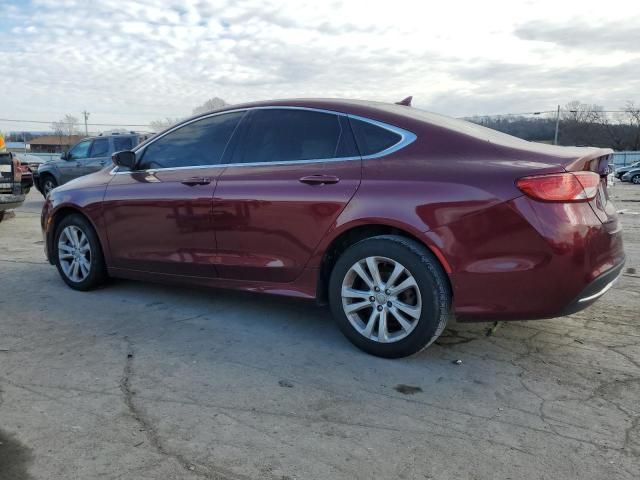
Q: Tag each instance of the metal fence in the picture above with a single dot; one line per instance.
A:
(620, 159)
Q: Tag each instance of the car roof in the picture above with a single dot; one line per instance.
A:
(409, 117)
(112, 135)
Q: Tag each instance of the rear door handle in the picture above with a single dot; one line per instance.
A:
(320, 179)
(196, 181)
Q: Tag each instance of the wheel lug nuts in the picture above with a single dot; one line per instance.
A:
(389, 304)
(372, 299)
(387, 292)
(377, 289)
(379, 308)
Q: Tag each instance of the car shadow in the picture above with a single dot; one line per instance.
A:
(305, 319)
(15, 458)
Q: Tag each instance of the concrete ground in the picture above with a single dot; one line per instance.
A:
(140, 381)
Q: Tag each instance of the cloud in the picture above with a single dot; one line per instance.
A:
(621, 35)
(148, 59)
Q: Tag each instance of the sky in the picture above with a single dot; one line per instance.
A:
(134, 61)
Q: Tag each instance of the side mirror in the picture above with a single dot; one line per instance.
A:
(65, 156)
(125, 158)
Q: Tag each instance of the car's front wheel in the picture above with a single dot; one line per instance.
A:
(48, 184)
(78, 254)
(636, 179)
(389, 296)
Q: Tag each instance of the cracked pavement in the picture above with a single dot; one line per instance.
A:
(146, 381)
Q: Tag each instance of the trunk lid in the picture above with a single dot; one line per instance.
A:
(572, 159)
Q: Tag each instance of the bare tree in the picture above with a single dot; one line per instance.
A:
(608, 129)
(582, 124)
(66, 127)
(210, 105)
(632, 112)
(159, 125)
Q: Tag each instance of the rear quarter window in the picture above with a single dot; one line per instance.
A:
(372, 139)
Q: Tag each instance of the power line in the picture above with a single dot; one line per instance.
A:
(89, 124)
(540, 113)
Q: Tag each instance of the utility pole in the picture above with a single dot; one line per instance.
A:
(555, 139)
(86, 128)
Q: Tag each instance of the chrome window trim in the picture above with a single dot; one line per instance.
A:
(406, 138)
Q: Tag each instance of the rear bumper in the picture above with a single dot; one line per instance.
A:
(527, 260)
(9, 201)
(596, 289)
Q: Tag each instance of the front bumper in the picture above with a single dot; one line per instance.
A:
(36, 181)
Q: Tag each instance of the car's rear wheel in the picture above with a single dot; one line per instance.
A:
(389, 296)
(78, 254)
(636, 179)
(48, 184)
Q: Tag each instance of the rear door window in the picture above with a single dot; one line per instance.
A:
(202, 142)
(372, 139)
(100, 147)
(122, 143)
(285, 135)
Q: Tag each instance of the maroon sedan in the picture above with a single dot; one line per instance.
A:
(397, 217)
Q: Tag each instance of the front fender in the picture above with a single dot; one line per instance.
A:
(49, 169)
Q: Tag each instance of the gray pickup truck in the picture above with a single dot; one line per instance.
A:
(87, 156)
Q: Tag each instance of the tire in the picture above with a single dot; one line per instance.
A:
(635, 179)
(89, 273)
(48, 183)
(428, 299)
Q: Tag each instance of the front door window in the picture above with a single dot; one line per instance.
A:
(81, 150)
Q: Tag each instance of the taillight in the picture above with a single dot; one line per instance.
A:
(561, 187)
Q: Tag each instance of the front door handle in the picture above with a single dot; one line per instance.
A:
(196, 181)
(320, 179)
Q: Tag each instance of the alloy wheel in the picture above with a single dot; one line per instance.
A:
(48, 186)
(636, 179)
(381, 299)
(74, 253)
